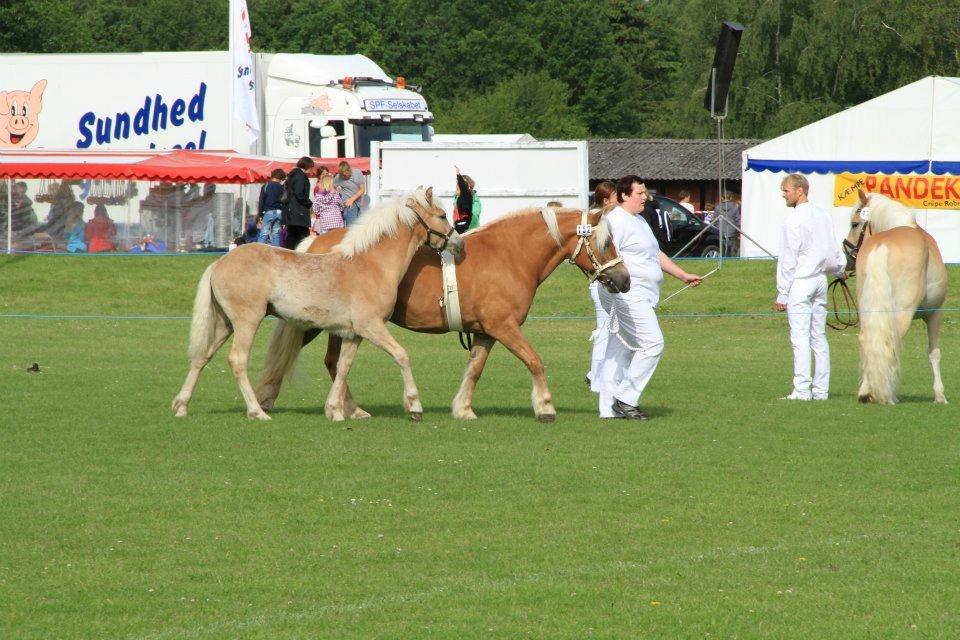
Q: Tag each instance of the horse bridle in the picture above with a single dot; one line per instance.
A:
(432, 232)
(584, 233)
(853, 250)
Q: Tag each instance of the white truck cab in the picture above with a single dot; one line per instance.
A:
(335, 106)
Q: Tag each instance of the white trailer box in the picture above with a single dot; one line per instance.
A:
(508, 176)
(322, 106)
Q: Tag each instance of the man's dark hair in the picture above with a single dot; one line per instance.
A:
(278, 174)
(625, 185)
(306, 162)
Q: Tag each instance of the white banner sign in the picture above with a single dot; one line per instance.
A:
(244, 82)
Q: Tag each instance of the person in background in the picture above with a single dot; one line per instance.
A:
(351, 187)
(296, 212)
(467, 207)
(684, 196)
(74, 228)
(270, 208)
(634, 350)
(604, 198)
(809, 252)
(322, 170)
(658, 221)
(327, 206)
(22, 217)
(56, 222)
(729, 208)
(556, 204)
(100, 231)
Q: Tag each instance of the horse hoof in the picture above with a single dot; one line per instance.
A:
(416, 416)
(464, 415)
(181, 412)
(359, 414)
(258, 416)
(547, 417)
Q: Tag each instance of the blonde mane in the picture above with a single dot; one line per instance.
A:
(380, 221)
(886, 213)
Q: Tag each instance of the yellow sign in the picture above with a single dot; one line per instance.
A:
(915, 191)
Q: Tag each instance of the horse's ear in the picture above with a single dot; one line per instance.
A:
(430, 194)
(863, 196)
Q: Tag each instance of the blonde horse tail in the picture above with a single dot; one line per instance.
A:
(282, 353)
(206, 315)
(879, 332)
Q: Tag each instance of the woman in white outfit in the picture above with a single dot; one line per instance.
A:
(604, 196)
(635, 342)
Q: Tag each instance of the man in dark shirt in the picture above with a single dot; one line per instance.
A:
(296, 211)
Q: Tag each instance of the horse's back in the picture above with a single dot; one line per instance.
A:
(912, 262)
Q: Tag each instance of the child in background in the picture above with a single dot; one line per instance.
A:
(327, 206)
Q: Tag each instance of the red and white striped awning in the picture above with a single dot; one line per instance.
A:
(176, 165)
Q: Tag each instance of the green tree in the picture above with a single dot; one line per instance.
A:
(531, 103)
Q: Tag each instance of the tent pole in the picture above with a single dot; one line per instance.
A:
(9, 215)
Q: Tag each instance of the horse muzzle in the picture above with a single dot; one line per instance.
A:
(455, 244)
(616, 280)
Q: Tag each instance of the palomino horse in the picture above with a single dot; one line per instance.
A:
(504, 262)
(350, 291)
(900, 276)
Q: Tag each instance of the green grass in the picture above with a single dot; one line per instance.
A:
(729, 514)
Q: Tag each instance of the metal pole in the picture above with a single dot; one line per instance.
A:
(9, 215)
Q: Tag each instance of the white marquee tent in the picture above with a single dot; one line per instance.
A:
(905, 143)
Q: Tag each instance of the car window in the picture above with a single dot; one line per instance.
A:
(677, 214)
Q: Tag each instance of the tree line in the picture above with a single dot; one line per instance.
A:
(556, 68)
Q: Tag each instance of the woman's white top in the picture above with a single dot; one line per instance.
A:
(641, 255)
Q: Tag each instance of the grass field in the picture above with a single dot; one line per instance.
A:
(729, 515)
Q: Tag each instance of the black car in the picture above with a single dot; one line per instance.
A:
(684, 226)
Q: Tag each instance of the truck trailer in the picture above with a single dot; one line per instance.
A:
(317, 105)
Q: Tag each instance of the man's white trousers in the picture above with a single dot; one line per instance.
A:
(807, 314)
(634, 347)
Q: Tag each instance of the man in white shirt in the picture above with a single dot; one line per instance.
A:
(809, 252)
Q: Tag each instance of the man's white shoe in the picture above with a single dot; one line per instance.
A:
(795, 396)
(818, 396)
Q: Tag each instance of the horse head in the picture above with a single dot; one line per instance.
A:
(596, 255)
(859, 229)
(440, 233)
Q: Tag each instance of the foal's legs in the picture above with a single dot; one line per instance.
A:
(463, 401)
(380, 336)
(334, 407)
(350, 408)
(221, 333)
(933, 352)
(514, 340)
(244, 331)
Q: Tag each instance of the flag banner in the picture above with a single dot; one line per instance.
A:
(915, 191)
(245, 84)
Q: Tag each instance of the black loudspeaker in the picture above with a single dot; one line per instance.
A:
(723, 60)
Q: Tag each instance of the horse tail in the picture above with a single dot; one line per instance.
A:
(282, 353)
(879, 331)
(206, 315)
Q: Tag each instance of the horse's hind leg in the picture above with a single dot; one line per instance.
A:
(350, 408)
(221, 333)
(334, 407)
(463, 402)
(244, 332)
(933, 352)
(380, 336)
(514, 340)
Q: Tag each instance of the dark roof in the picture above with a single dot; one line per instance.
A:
(661, 159)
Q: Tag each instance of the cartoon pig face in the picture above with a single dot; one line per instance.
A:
(19, 111)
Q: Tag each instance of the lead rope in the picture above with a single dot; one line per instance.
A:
(849, 306)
